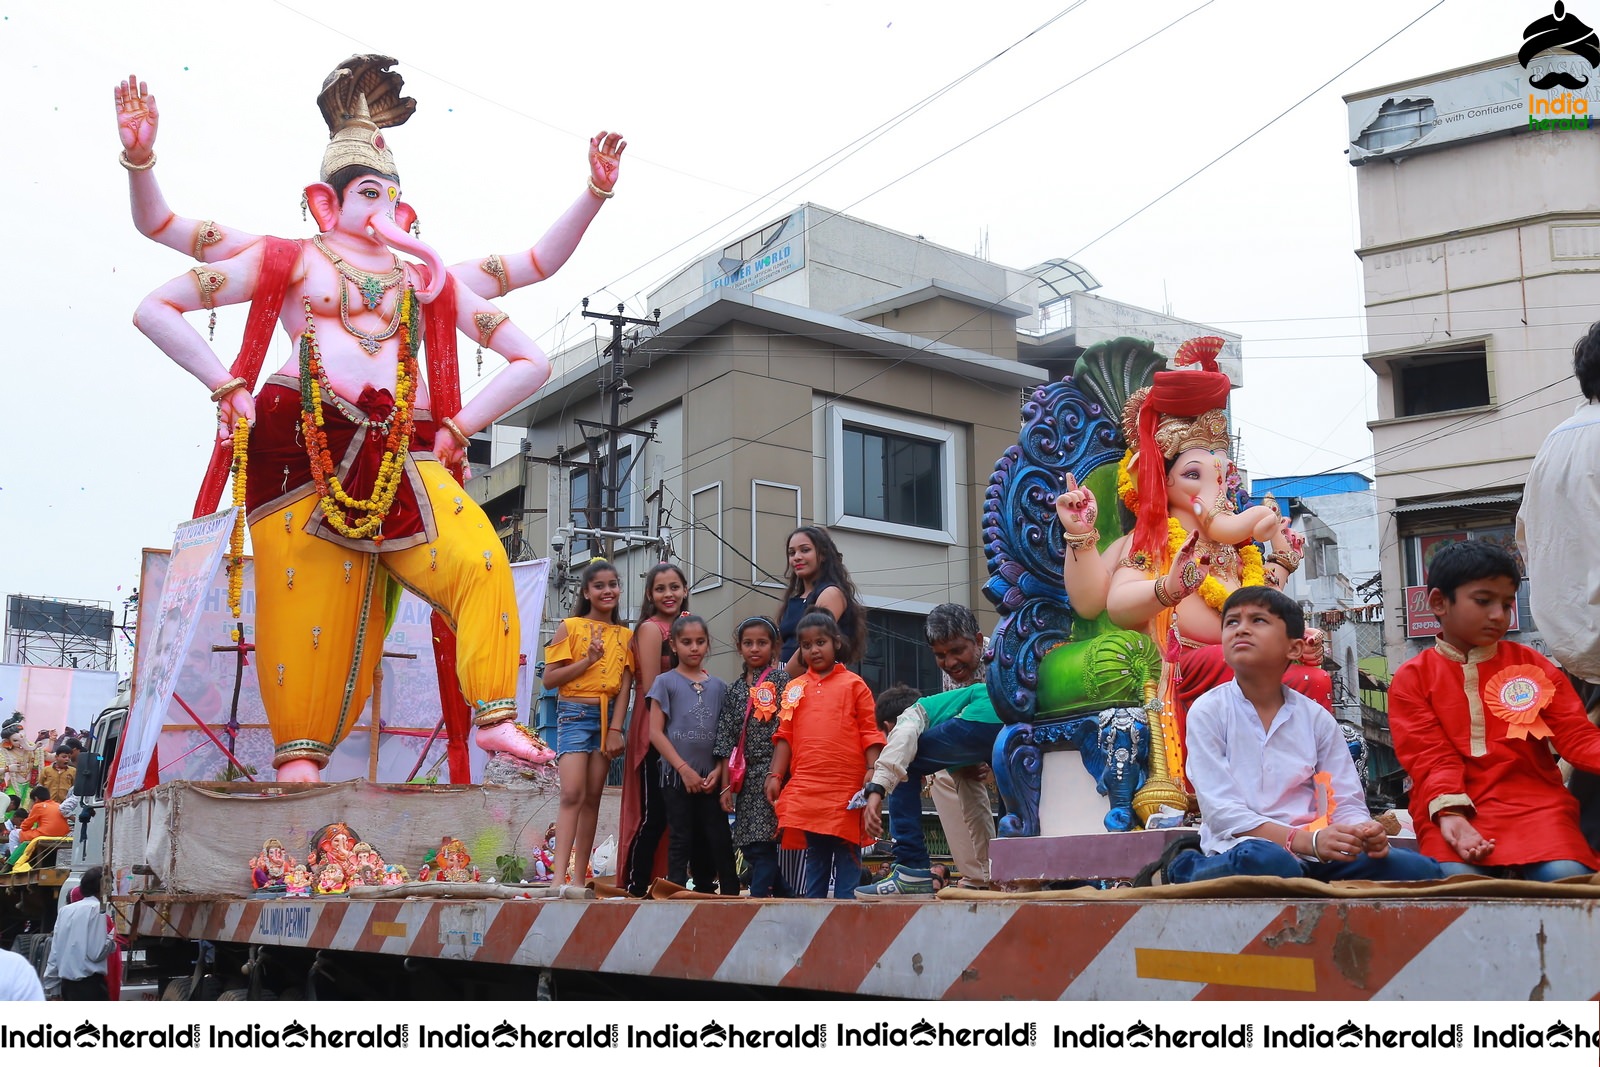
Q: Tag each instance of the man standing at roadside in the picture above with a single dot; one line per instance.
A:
(1560, 505)
(82, 943)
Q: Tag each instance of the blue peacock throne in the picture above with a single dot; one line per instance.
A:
(1060, 680)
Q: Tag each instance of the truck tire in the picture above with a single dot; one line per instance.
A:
(40, 955)
(22, 945)
(178, 989)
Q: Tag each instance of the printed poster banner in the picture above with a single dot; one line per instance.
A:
(405, 746)
(54, 697)
(530, 580)
(196, 555)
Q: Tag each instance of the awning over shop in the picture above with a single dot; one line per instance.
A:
(1441, 504)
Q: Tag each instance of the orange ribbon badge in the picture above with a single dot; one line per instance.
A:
(1517, 695)
(764, 701)
(791, 698)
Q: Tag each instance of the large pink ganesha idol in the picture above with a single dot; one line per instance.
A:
(355, 456)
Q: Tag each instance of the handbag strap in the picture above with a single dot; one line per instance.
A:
(750, 705)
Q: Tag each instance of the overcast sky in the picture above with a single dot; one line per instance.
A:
(722, 104)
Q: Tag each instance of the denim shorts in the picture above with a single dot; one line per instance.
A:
(577, 727)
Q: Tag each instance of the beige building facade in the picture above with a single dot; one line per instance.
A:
(854, 389)
(819, 370)
(1480, 257)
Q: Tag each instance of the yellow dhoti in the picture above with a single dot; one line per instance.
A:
(320, 612)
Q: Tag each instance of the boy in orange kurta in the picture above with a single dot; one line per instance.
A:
(44, 818)
(826, 745)
(1473, 720)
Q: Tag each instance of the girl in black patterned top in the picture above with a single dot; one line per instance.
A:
(751, 707)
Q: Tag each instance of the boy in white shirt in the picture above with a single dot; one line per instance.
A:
(1279, 794)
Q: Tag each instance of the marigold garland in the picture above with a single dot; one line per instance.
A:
(1212, 591)
(1125, 490)
(332, 496)
(241, 443)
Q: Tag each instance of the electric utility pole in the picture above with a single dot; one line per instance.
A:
(614, 385)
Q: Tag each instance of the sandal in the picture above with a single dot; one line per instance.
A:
(941, 875)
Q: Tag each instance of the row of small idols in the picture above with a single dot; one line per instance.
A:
(339, 860)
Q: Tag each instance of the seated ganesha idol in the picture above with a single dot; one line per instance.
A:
(297, 883)
(1190, 546)
(353, 464)
(449, 863)
(269, 871)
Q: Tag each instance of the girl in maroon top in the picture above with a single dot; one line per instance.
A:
(641, 856)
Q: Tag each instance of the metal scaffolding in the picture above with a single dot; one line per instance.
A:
(60, 633)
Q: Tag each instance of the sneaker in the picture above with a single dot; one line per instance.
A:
(902, 881)
(1158, 869)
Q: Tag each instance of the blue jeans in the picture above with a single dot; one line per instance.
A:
(766, 880)
(577, 727)
(1257, 856)
(1548, 871)
(824, 854)
(952, 743)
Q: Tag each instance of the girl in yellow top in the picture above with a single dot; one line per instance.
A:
(591, 662)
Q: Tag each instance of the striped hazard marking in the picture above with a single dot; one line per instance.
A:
(984, 949)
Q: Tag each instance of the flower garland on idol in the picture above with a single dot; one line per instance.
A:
(1252, 570)
(241, 445)
(315, 389)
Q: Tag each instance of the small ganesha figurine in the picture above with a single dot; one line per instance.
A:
(331, 879)
(269, 871)
(365, 866)
(334, 843)
(297, 883)
(449, 863)
(394, 874)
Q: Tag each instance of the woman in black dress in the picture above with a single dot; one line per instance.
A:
(819, 582)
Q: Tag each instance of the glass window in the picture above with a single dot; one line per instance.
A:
(898, 653)
(581, 515)
(588, 502)
(1442, 381)
(892, 478)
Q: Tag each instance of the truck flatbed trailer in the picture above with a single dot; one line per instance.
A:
(986, 949)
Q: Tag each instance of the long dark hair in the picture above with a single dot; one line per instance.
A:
(830, 571)
(648, 608)
(595, 567)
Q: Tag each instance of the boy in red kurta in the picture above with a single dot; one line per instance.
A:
(1474, 719)
(826, 745)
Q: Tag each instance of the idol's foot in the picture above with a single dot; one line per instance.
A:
(514, 739)
(300, 770)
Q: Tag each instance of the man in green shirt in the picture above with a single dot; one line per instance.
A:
(938, 732)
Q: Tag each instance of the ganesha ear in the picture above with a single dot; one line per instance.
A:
(405, 215)
(324, 205)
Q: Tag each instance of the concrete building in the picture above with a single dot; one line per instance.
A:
(822, 370)
(1337, 514)
(1338, 587)
(1480, 256)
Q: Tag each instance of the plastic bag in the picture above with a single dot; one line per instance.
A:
(604, 859)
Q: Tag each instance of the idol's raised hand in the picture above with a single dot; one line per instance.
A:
(1076, 507)
(137, 120)
(605, 159)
